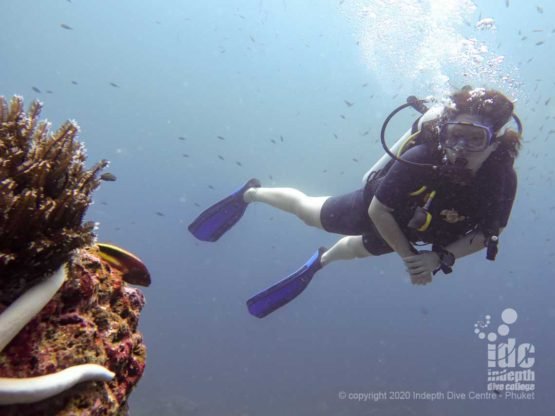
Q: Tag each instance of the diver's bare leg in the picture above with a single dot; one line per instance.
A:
(347, 248)
(291, 200)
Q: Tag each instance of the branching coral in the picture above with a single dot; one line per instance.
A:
(45, 190)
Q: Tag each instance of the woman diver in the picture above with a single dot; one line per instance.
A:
(451, 184)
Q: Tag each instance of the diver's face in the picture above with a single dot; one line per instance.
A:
(464, 148)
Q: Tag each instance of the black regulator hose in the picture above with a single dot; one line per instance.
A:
(418, 105)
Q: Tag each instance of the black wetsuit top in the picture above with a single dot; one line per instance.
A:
(456, 209)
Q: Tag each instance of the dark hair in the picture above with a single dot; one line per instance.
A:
(494, 107)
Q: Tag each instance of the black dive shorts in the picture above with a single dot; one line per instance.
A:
(348, 215)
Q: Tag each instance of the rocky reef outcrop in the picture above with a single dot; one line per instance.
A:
(69, 343)
(92, 319)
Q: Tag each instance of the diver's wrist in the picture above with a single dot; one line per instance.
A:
(446, 260)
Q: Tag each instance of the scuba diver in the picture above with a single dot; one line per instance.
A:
(448, 182)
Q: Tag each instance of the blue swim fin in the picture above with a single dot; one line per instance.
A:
(213, 222)
(286, 290)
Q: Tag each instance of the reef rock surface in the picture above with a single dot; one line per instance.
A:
(91, 320)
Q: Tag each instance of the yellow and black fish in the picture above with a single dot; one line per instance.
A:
(132, 268)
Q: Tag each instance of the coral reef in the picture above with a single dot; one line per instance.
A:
(93, 318)
(69, 343)
(45, 190)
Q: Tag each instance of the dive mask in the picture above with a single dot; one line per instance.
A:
(472, 137)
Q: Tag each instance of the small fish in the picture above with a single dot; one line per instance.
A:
(348, 103)
(547, 101)
(497, 392)
(238, 163)
(355, 159)
(342, 116)
(273, 141)
(36, 89)
(109, 177)
(66, 27)
(253, 40)
(221, 137)
(74, 82)
(506, 3)
(49, 92)
(281, 138)
(160, 214)
(185, 155)
(113, 84)
(181, 138)
(366, 133)
(336, 136)
(364, 85)
(131, 267)
(539, 9)
(541, 42)
(210, 187)
(221, 157)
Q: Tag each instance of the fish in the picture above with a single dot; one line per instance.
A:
(281, 138)
(185, 155)
(109, 177)
(348, 103)
(74, 82)
(113, 84)
(541, 42)
(36, 89)
(221, 157)
(131, 267)
(539, 9)
(66, 27)
(506, 3)
(238, 163)
(342, 116)
(160, 214)
(182, 138)
(221, 137)
(49, 92)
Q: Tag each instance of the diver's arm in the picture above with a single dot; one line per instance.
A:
(469, 244)
(382, 217)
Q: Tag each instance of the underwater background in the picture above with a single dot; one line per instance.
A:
(188, 100)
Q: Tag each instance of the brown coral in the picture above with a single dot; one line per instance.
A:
(45, 190)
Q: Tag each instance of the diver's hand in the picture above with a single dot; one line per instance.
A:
(421, 265)
(421, 279)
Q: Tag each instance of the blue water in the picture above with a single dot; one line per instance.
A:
(270, 78)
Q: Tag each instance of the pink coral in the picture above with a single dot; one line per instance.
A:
(92, 319)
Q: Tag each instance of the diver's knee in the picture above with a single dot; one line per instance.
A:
(355, 245)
